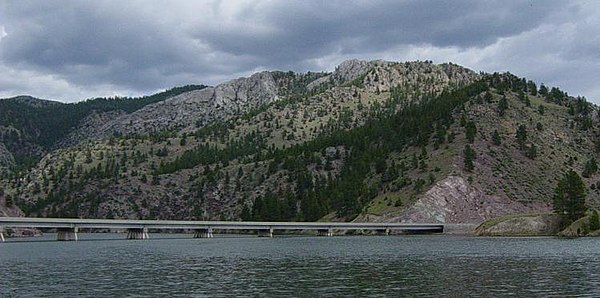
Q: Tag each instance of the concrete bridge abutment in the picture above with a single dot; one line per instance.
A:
(204, 233)
(383, 232)
(265, 233)
(325, 232)
(137, 234)
(67, 234)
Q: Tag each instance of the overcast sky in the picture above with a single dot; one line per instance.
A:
(73, 50)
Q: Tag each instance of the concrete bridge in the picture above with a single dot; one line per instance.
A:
(67, 228)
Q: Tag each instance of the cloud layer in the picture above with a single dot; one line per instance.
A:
(82, 49)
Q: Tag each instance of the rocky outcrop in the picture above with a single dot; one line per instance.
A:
(424, 75)
(350, 70)
(199, 107)
(90, 128)
(383, 76)
(581, 227)
(521, 225)
(453, 200)
(344, 73)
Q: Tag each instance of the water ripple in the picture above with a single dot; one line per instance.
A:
(420, 266)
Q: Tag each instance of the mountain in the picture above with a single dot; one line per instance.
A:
(31, 127)
(371, 141)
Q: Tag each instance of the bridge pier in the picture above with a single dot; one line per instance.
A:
(203, 233)
(2, 234)
(265, 233)
(137, 234)
(67, 234)
(325, 232)
(383, 232)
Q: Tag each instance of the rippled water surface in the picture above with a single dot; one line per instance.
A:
(168, 265)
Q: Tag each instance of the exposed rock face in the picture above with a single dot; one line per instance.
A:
(453, 200)
(91, 127)
(350, 70)
(199, 107)
(387, 75)
(540, 225)
(345, 72)
(382, 76)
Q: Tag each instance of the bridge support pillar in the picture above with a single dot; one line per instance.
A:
(325, 232)
(67, 234)
(203, 233)
(1, 234)
(383, 232)
(137, 234)
(265, 233)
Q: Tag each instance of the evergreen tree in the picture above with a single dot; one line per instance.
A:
(590, 168)
(488, 97)
(496, 139)
(470, 131)
(594, 221)
(531, 152)
(469, 157)
(246, 213)
(531, 87)
(539, 126)
(502, 106)
(527, 101)
(543, 90)
(521, 136)
(569, 197)
(541, 109)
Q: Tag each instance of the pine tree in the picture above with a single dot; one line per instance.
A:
(488, 97)
(496, 139)
(502, 106)
(470, 131)
(569, 197)
(531, 152)
(594, 221)
(527, 101)
(590, 168)
(521, 136)
(543, 90)
(531, 87)
(469, 157)
(246, 213)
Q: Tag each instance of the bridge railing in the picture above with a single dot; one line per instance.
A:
(141, 227)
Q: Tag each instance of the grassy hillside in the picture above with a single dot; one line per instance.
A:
(370, 147)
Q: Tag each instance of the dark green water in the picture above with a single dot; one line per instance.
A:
(300, 266)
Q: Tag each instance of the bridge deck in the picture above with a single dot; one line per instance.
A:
(29, 222)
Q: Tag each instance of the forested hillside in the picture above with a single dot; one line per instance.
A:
(30, 127)
(371, 141)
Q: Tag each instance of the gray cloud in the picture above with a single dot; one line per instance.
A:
(81, 49)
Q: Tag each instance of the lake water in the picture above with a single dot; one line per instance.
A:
(177, 265)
